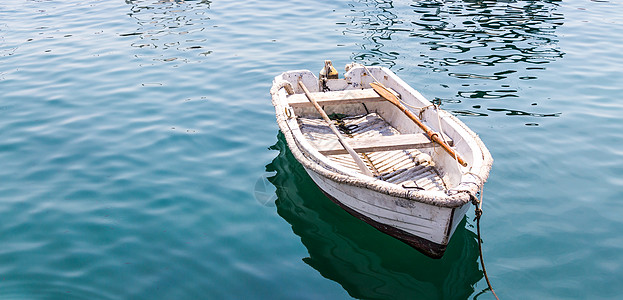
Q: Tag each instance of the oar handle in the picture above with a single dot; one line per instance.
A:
(433, 136)
(362, 166)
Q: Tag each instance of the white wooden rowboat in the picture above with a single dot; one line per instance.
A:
(418, 193)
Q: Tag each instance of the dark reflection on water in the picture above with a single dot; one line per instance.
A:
(375, 21)
(367, 263)
(175, 27)
(493, 32)
(496, 32)
(489, 44)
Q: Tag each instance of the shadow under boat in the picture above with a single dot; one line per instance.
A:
(367, 263)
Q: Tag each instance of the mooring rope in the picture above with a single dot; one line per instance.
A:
(478, 211)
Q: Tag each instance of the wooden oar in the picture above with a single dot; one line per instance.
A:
(433, 136)
(362, 166)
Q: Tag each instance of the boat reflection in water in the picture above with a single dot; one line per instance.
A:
(367, 263)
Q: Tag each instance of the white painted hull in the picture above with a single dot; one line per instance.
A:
(426, 227)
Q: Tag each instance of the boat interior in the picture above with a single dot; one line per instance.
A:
(400, 156)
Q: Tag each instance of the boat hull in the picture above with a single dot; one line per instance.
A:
(426, 228)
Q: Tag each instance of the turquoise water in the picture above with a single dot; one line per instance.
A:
(140, 158)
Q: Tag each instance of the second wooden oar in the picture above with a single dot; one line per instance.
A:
(362, 166)
(433, 136)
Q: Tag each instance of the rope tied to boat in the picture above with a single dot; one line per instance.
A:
(420, 110)
(478, 212)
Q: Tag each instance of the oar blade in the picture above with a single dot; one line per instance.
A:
(385, 93)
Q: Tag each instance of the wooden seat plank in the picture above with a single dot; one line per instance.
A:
(381, 143)
(336, 97)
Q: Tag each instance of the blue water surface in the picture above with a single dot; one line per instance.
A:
(140, 157)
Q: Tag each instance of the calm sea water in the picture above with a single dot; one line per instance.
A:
(140, 158)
